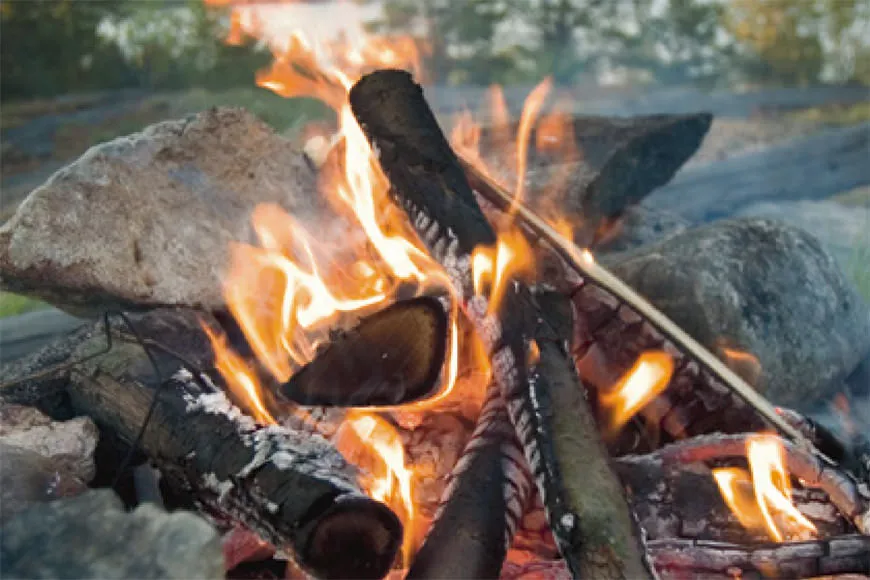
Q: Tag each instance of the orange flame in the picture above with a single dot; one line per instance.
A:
(770, 485)
(511, 257)
(648, 377)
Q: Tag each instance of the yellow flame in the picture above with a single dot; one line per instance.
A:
(761, 499)
(648, 377)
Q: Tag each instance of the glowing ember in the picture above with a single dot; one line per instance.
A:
(647, 378)
(493, 268)
(769, 483)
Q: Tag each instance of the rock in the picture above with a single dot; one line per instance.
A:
(761, 287)
(638, 227)
(611, 164)
(69, 445)
(844, 231)
(146, 219)
(28, 478)
(90, 536)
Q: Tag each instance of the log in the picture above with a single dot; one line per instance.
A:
(482, 504)
(610, 164)
(679, 559)
(292, 488)
(428, 182)
(684, 501)
(815, 167)
(391, 357)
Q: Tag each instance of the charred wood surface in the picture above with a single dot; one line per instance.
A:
(391, 357)
(429, 184)
(814, 558)
(486, 495)
(292, 488)
(684, 501)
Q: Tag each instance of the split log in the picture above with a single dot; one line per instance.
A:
(482, 504)
(292, 488)
(429, 184)
(815, 167)
(391, 357)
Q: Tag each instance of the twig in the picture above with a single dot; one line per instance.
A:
(583, 263)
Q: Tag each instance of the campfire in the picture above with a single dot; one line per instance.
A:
(440, 383)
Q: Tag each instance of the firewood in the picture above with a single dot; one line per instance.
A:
(292, 488)
(588, 515)
(391, 357)
(482, 504)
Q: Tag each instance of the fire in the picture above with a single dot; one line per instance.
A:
(493, 268)
(768, 483)
(290, 289)
(648, 377)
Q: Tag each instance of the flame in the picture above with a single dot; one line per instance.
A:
(648, 377)
(768, 483)
(496, 267)
(289, 289)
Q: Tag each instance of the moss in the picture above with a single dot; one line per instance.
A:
(12, 304)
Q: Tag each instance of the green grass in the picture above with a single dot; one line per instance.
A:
(13, 304)
(835, 115)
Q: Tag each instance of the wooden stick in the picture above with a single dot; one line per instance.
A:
(482, 504)
(585, 265)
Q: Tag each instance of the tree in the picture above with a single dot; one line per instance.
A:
(52, 46)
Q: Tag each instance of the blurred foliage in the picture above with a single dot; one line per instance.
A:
(707, 42)
(52, 47)
(13, 304)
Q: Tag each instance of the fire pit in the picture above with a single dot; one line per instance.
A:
(452, 387)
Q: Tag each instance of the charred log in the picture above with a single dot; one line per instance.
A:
(429, 184)
(810, 559)
(845, 493)
(482, 504)
(391, 357)
(684, 501)
(292, 488)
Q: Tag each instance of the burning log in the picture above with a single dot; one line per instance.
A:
(589, 516)
(391, 357)
(845, 493)
(292, 488)
(482, 504)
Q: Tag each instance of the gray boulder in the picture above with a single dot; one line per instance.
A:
(761, 287)
(844, 231)
(146, 220)
(91, 536)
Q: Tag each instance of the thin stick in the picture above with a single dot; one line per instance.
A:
(585, 265)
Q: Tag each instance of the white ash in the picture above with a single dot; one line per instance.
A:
(217, 403)
(221, 488)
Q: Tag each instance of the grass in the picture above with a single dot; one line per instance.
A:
(835, 115)
(14, 304)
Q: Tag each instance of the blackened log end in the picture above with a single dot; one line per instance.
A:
(355, 538)
(423, 170)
